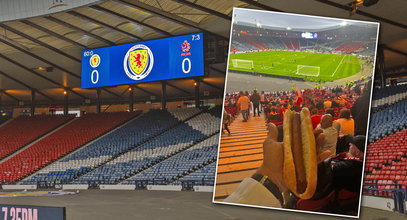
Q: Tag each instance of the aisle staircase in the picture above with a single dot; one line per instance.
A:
(240, 154)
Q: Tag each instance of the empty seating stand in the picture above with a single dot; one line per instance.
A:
(22, 130)
(179, 165)
(149, 153)
(388, 96)
(386, 165)
(386, 158)
(61, 142)
(349, 47)
(119, 141)
(388, 121)
(252, 40)
(204, 176)
(146, 141)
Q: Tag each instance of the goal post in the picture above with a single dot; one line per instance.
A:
(243, 64)
(308, 70)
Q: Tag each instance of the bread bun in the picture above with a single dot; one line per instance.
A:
(300, 156)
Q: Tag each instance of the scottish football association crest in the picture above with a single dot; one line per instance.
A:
(138, 62)
(94, 60)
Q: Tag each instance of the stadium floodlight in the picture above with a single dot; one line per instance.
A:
(308, 70)
(288, 28)
(243, 64)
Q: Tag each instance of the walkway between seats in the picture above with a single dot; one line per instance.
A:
(240, 154)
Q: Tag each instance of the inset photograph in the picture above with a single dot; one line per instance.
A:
(296, 112)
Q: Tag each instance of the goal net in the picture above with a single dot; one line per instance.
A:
(244, 64)
(308, 70)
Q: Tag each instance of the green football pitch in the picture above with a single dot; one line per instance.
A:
(315, 66)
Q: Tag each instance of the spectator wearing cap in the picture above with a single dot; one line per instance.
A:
(347, 167)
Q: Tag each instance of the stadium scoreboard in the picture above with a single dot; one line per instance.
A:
(309, 35)
(162, 59)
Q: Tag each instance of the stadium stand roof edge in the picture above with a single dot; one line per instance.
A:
(55, 41)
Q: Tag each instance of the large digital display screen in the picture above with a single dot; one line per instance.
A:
(162, 59)
(14, 212)
(309, 35)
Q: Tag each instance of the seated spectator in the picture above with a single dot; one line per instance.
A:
(320, 105)
(283, 108)
(341, 101)
(327, 103)
(273, 115)
(329, 135)
(347, 124)
(335, 124)
(335, 104)
(347, 167)
(267, 109)
(331, 112)
(315, 118)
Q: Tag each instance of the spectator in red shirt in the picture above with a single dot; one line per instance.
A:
(315, 118)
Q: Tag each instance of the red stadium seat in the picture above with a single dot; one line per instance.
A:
(75, 134)
(390, 150)
(25, 129)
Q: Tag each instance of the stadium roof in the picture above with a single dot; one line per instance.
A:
(281, 21)
(56, 40)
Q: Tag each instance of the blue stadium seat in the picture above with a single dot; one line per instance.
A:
(107, 147)
(388, 121)
(142, 144)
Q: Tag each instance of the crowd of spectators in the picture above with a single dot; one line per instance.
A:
(339, 119)
(274, 104)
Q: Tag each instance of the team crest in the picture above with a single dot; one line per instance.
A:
(138, 62)
(185, 46)
(94, 60)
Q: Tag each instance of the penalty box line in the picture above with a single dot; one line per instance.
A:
(338, 66)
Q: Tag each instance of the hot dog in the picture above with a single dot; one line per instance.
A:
(300, 157)
(296, 148)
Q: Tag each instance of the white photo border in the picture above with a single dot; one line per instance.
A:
(223, 109)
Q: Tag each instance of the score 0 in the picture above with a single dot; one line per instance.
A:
(186, 60)
(94, 77)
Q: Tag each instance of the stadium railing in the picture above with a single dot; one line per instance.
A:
(397, 192)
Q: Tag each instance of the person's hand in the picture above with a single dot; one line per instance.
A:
(273, 157)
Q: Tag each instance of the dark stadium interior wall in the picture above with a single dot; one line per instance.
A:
(17, 111)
